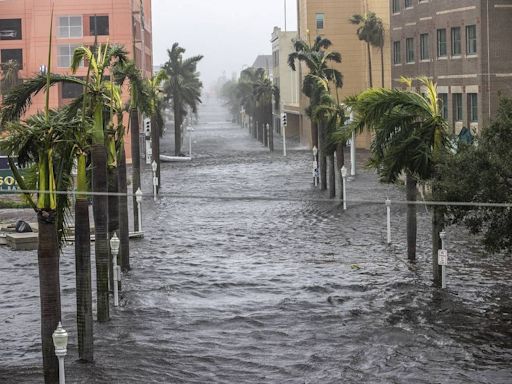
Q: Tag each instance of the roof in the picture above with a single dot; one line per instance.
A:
(263, 61)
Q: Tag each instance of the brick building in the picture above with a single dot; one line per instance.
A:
(465, 46)
(25, 24)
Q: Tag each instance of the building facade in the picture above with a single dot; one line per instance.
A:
(287, 81)
(25, 26)
(464, 46)
(330, 18)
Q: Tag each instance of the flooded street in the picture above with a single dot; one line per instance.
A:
(274, 287)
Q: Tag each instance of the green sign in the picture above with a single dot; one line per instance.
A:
(7, 181)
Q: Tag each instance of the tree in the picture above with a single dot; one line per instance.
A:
(10, 76)
(182, 89)
(264, 92)
(101, 93)
(371, 31)
(410, 138)
(317, 61)
(482, 174)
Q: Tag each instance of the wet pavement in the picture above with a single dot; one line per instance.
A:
(284, 288)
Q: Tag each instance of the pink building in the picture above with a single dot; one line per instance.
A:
(25, 24)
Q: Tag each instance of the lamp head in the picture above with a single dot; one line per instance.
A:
(154, 165)
(60, 338)
(138, 195)
(343, 171)
(114, 244)
(315, 150)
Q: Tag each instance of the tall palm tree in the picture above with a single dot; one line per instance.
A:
(100, 92)
(410, 136)
(156, 107)
(183, 88)
(371, 31)
(317, 60)
(264, 92)
(138, 103)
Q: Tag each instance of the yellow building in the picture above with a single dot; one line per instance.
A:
(330, 18)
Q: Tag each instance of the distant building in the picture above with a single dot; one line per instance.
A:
(264, 62)
(464, 46)
(330, 18)
(287, 81)
(25, 25)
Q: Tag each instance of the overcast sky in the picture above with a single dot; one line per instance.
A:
(229, 33)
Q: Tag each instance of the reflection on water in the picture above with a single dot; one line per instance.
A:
(249, 291)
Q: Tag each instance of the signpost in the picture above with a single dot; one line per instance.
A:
(7, 180)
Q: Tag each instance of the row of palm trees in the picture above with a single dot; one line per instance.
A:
(89, 132)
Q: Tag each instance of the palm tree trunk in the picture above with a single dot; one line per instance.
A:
(101, 244)
(437, 227)
(382, 66)
(314, 135)
(124, 236)
(177, 129)
(411, 216)
(84, 317)
(113, 215)
(340, 161)
(370, 75)
(134, 134)
(322, 158)
(49, 291)
(331, 175)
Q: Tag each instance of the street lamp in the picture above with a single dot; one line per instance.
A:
(60, 342)
(344, 176)
(116, 269)
(138, 198)
(315, 166)
(154, 167)
(443, 259)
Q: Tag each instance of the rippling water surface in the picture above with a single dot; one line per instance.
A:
(248, 291)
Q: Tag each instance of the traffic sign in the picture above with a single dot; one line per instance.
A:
(442, 257)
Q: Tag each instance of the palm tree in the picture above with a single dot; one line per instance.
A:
(10, 76)
(333, 113)
(100, 93)
(156, 106)
(183, 88)
(317, 61)
(410, 136)
(264, 91)
(371, 30)
(138, 102)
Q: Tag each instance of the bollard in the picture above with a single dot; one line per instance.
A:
(443, 259)
(154, 167)
(116, 270)
(388, 212)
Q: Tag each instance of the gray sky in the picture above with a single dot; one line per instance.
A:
(229, 33)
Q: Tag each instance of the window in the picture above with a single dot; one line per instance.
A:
(65, 55)
(408, 3)
(424, 47)
(10, 29)
(471, 40)
(441, 42)
(443, 104)
(396, 6)
(473, 107)
(12, 54)
(71, 90)
(457, 107)
(409, 50)
(70, 26)
(98, 25)
(456, 41)
(397, 55)
(320, 19)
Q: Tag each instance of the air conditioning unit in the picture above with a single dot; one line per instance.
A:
(458, 127)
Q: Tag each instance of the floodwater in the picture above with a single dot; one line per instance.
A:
(273, 290)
